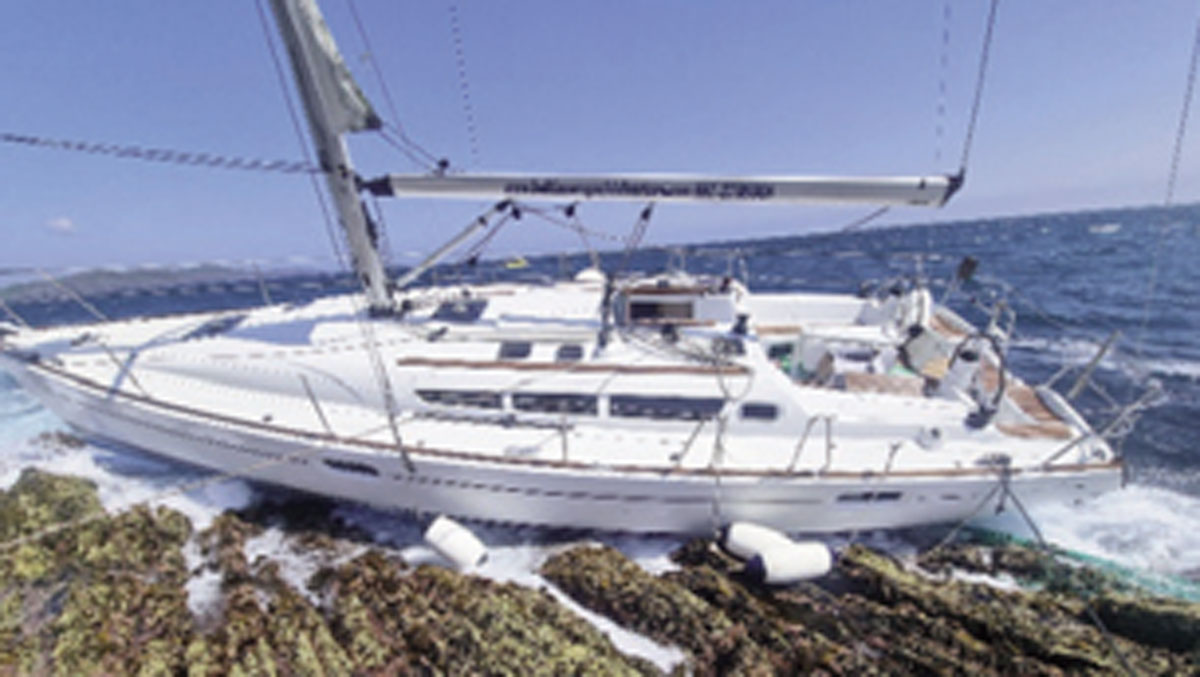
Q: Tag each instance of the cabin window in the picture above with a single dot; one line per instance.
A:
(462, 310)
(461, 398)
(781, 351)
(555, 403)
(679, 408)
(569, 352)
(649, 311)
(760, 411)
(868, 496)
(351, 466)
(515, 350)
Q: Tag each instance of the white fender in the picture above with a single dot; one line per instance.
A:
(746, 539)
(790, 563)
(456, 543)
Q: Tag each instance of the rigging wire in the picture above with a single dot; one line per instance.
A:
(405, 144)
(464, 86)
(939, 125)
(13, 314)
(298, 130)
(1183, 118)
(400, 144)
(980, 80)
(636, 236)
(164, 155)
(862, 221)
(364, 324)
(1176, 155)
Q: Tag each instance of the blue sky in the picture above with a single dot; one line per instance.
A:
(1080, 111)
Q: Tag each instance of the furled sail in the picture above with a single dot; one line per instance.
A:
(318, 64)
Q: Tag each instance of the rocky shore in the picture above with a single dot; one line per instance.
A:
(110, 596)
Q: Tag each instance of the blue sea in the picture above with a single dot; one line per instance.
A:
(1073, 280)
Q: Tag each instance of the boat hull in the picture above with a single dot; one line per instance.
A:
(545, 493)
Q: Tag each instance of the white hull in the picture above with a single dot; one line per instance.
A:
(541, 489)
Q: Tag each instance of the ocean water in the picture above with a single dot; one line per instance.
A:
(1072, 279)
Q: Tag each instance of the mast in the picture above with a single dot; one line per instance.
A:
(334, 105)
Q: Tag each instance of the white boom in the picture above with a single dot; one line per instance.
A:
(932, 190)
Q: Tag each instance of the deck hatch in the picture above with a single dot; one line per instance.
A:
(460, 311)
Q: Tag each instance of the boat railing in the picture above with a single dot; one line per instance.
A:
(803, 441)
(1117, 428)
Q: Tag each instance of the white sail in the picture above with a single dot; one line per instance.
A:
(318, 64)
(932, 190)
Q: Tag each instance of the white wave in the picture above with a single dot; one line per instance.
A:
(1177, 367)
(1104, 228)
(1150, 529)
(1078, 352)
(1067, 351)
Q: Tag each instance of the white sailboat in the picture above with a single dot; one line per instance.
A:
(652, 403)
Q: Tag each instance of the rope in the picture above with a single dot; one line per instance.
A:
(1004, 488)
(981, 78)
(163, 155)
(1087, 604)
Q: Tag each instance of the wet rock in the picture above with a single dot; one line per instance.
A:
(103, 596)
(107, 595)
(1167, 623)
(605, 581)
(440, 620)
(1003, 631)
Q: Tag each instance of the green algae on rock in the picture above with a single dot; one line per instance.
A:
(107, 596)
(873, 615)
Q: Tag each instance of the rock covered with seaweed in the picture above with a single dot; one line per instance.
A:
(109, 595)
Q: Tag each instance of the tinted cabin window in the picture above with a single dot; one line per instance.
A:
(868, 496)
(780, 350)
(657, 310)
(761, 411)
(460, 311)
(569, 352)
(680, 408)
(515, 350)
(555, 403)
(461, 398)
